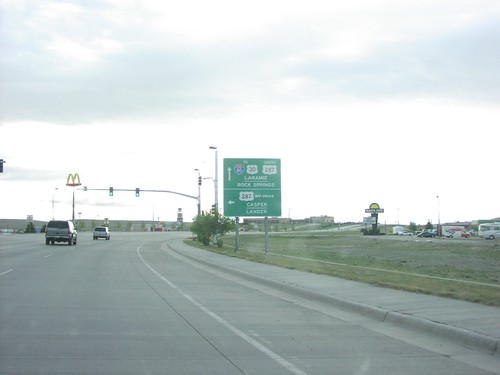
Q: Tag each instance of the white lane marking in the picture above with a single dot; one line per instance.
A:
(280, 360)
(5, 272)
(49, 255)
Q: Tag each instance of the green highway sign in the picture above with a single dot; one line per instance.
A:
(252, 187)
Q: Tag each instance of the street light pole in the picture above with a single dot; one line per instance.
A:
(216, 179)
(199, 191)
(439, 218)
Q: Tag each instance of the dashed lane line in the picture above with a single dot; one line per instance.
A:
(5, 272)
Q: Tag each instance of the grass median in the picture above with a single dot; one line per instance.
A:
(461, 268)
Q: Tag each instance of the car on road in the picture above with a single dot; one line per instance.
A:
(60, 231)
(101, 232)
(404, 233)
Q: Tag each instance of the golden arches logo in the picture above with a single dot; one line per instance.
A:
(75, 180)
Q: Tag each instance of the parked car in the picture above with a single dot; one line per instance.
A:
(426, 234)
(465, 234)
(60, 231)
(404, 233)
(101, 232)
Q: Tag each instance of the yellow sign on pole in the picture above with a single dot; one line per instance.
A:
(374, 208)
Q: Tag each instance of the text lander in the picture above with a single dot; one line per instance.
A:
(256, 207)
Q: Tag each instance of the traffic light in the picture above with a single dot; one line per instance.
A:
(111, 191)
(1, 165)
(199, 180)
(137, 190)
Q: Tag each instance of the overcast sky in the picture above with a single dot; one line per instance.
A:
(389, 101)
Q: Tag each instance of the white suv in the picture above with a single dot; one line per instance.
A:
(101, 232)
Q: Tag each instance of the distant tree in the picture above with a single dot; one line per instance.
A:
(412, 227)
(30, 228)
(429, 225)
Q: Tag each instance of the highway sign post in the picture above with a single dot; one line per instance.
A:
(252, 187)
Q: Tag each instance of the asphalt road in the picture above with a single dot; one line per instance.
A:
(133, 305)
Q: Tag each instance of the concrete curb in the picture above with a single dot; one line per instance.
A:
(470, 339)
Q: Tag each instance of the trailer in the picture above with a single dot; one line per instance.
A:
(454, 231)
(397, 229)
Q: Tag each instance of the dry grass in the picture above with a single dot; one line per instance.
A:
(466, 269)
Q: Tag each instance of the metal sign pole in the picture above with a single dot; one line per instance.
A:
(237, 249)
(266, 226)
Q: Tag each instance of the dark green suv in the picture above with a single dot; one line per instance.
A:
(60, 231)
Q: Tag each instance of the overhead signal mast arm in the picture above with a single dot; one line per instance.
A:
(137, 190)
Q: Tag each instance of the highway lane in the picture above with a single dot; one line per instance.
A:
(130, 305)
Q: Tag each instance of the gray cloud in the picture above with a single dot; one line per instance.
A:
(19, 174)
(455, 66)
(151, 75)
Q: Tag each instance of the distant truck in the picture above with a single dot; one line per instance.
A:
(454, 231)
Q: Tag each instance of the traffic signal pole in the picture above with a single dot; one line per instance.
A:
(137, 190)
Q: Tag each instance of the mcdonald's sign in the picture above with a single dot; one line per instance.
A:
(75, 180)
